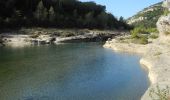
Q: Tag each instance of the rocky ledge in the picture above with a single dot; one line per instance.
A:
(41, 37)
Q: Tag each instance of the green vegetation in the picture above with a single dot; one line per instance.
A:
(160, 94)
(139, 30)
(140, 40)
(57, 14)
(158, 53)
(153, 36)
(166, 33)
(150, 16)
(141, 35)
(166, 11)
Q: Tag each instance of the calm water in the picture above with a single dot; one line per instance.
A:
(70, 72)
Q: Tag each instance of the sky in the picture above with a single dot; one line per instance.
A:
(125, 8)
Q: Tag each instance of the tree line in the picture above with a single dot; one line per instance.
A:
(57, 13)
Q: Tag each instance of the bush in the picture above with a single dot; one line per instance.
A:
(158, 53)
(140, 40)
(67, 34)
(160, 94)
(153, 36)
(140, 34)
(139, 30)
(34, 35)
(166, 33)
(166, 12)
(152, 30)
(143, 40)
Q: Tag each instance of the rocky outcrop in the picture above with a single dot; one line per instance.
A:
(163, 26)
(15, 40)
(40, 38)
(85, 38)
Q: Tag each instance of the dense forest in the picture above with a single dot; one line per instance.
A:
(58, 14)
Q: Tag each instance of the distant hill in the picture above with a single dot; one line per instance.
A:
(147, 17)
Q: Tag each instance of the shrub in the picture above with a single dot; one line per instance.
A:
(143, 40)
(166, 12)
(160, 94)
(140, 34)
(151, 30)
(158, 53)
(34, 36)
(140, 40)
(139, 30)
(166, 33)
(67, 34)
(153, 36)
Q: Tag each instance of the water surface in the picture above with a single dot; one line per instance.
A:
(70, 72)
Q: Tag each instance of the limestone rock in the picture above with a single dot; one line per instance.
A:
(166, 4)
(163, 25)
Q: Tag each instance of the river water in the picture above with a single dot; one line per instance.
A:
(82, 71)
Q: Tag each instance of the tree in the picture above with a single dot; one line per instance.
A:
(41, 12)
(89, 21)
(52, 15)
(58, 13)
(102, 20)
(121, 19)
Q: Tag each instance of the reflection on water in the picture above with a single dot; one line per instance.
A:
(70, 72)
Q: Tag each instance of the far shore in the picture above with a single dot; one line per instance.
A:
(41, 36)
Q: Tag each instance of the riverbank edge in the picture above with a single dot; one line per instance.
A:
(43, 36)
(151, 59)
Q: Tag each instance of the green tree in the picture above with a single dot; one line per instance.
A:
(121, 19)
(41, 12)
(52, 14)
(89, 20)
(102, 20)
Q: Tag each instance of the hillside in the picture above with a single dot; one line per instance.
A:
(56, 14)
(147, 17)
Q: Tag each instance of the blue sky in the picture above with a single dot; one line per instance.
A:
(125, 8)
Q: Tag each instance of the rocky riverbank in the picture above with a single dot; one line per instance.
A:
(48, 36)
(156, 58)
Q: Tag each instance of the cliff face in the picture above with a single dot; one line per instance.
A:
(163, 25)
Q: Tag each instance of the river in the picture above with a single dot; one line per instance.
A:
(80, 71)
